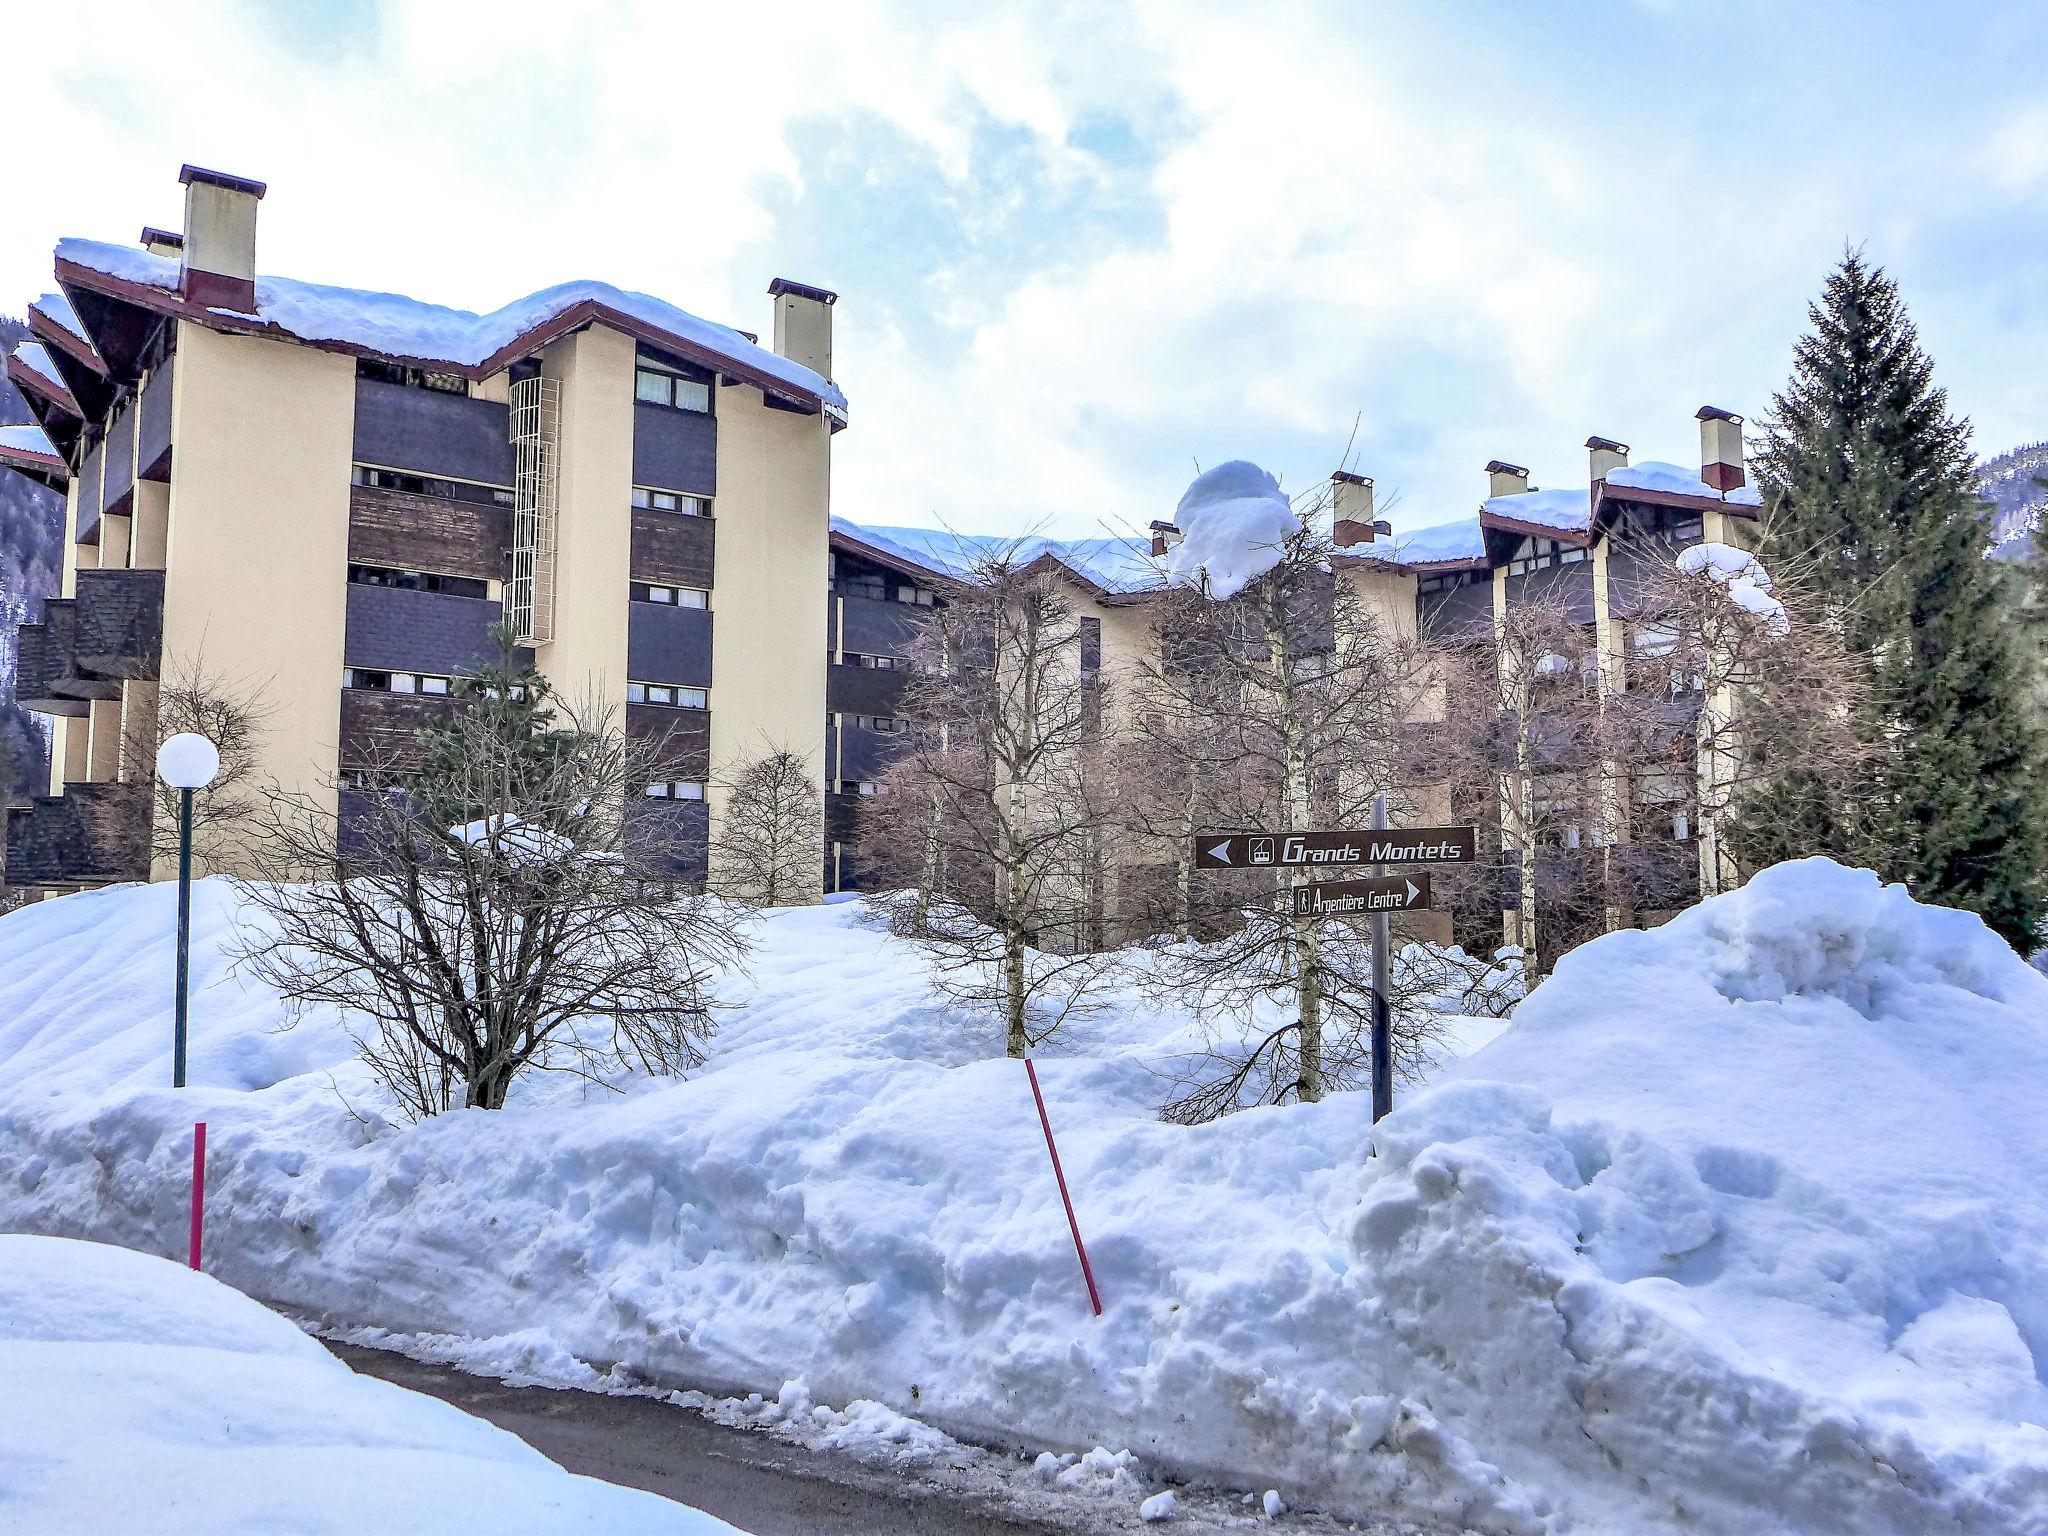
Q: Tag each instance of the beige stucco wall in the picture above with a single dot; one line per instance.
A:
(586, 661)
(769, 588)
(152, 520)
(256, 554)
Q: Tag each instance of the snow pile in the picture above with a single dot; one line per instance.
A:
(1737, 1228)
(1562, 511)
(397, 326)
(1234, 523)
(1741, 577)
(1676, 479)
(144, 1397)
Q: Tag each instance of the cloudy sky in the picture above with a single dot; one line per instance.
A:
(1082, 249)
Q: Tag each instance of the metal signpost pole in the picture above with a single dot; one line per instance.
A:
(1382, 985)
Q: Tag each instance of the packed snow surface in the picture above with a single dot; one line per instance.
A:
(396, 326)
(1739, 1227)
(1656, 475)
(1462, 540)
(35, 357)
(141, 1396)
(1234, 525)
(1114, 563)
(59, 309)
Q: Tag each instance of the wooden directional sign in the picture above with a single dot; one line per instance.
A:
(1361, 898)
(1320, 850)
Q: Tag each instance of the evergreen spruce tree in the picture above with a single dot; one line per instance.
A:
(1870, 482)
(509, 701)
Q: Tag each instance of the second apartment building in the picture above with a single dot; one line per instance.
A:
(328, 497)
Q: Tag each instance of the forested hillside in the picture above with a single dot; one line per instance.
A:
(31, 528)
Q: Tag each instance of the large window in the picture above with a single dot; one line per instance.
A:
(651, 500)
(676, 789)
(657, 386)
(431, 485)
(377, 680)
(672, 597)
(668, 695)
(877, 663)
(1536, 554)
(417, 378)
(418, 581)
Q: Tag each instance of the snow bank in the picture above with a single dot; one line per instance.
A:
(1566, 510)
(1234, 522)
(1741, 577)
(1738, 1228)
(1656, 475)
(144, 1397)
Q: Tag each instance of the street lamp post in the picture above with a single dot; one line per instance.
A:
(186, 762)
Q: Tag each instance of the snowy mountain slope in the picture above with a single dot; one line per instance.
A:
(143, 1397)
(1738, 1228)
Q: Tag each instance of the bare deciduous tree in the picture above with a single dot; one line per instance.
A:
(995, 812)
(1285, 706)
(231, 712)
(548, 932)
(770, 833)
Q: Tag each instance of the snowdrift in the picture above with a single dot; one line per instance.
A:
(1740, 1227)
(143, 1397)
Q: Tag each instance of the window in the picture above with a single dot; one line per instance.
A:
(669, 695)
(651, 500)
(431, 485)
(876, 663)
(654, 386)
(672, 597)
(886, 725)
(856, 786)
(418, 378)
(376, 680)
(676, 789)
(418, 581)
(917, 597)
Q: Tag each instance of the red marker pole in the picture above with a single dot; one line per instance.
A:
(198, 1188)
(1087, 1272)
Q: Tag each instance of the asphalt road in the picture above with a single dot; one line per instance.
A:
(755, 1482)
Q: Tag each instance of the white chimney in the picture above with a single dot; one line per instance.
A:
(1721, 449)
(220, 239)
(1505, 479)
(1352, 498)
(1605, 454)
(163, 242)
(803, 324)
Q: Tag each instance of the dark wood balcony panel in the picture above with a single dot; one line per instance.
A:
(863, 690)
(31, 675)
(672, 549)
(666, 644)
(681, 738)
(120, 623)
(153, 431)
(381, 730)
(428, 533)
(63, 677)
(430, 432)
(92, 834)
(675, 450)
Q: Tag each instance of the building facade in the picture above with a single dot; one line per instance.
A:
(323, 500)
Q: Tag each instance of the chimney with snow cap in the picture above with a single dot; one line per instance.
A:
(1606, 454)
(1164, 537)
(1505, 479)
(1721, 449)
(220, 239)
(803, 324)
(1352, 498)
(162, 242)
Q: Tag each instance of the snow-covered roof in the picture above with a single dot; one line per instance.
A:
(28, 439)
(58, 308)
(392, 325)
(35, 357)
(1462, 540)
(1677, 480)
(1115, 564)
(1567, 510)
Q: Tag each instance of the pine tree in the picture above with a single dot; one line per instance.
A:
(1870, 481)
(506, 699)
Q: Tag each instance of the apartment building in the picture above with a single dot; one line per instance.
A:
(326, 498)
(1451, 586)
